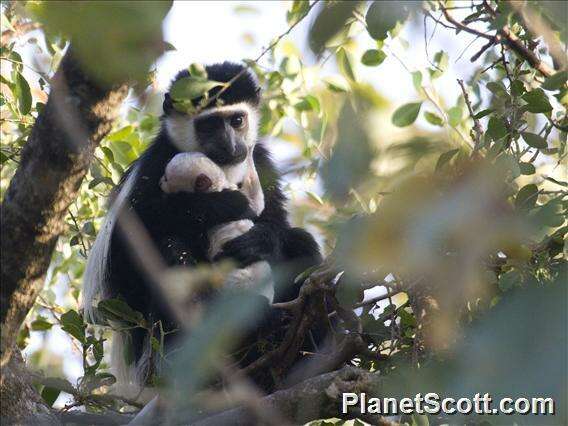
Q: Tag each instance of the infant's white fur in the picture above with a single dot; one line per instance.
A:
(191, 172)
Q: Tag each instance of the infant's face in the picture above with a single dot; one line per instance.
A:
(191, 172)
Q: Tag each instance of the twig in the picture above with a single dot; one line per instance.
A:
(4, 58)
(477, 129)
(486, 46)
(506, 37)
(463, 27)
(376, 299)
(264, 52)
(81, 240)
(535, 24)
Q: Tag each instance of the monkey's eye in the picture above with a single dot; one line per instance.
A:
(238, 121)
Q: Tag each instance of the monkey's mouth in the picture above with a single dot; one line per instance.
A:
(225, 159)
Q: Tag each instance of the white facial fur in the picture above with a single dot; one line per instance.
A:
(181, 130)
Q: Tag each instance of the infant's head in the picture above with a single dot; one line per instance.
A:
(193, 172)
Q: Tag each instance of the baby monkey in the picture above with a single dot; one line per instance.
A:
(194, 172)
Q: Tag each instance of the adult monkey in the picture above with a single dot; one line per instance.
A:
(178, 223)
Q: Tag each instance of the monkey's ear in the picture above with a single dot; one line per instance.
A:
(168, 104)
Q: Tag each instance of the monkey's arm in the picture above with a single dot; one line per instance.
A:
(271, 238)
(205, 209)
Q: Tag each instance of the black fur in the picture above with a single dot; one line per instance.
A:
(243, 89)
(178, 224)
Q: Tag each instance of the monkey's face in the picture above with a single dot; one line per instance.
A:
(225, 134)
(222, 136)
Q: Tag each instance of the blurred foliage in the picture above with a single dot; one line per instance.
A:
(465, 199)
(127, 36)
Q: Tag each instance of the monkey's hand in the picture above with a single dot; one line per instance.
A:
(259, 243)
(207, 209)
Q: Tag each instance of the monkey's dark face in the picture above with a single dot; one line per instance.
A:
(222, 136)
(226, 134)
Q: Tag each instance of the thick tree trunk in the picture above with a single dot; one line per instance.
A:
(54, 161)
(20, 402)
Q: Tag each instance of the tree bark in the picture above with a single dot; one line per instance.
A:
(54, 161)
(317, 398)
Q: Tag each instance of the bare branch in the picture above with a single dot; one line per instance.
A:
(477, 129)
(504, 36)
(315, 398)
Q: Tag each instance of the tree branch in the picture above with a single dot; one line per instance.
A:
(504, 36)
(56, 157)
(315, 398)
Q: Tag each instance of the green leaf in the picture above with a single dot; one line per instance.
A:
(308, 103)
(60, 384)
(315, 197)
(329, 22)
(483, 113)
(189, 88)
(155, 343)
(496, 128)
(89, 228)
(555, 81)
(383, 17)
(497, 88)
(507, 163)
(517, 88)
(41, 324)
(406, 114)
(98, 180)
(72, 323)
(407, 319)
(23, 94)
(534, 140)
(417, 80)
(116, 309)
(433, 118)
(550, 214)
(344, 64)
(108, 154)
(50, 395)
(113, 41)
(445, 158)
(441, 60)
(168, 47)
(336, 84)
(537, 101)
(455, 115)
(297, 11)
(197, 70)
(527, 168)
(120, 134)
(373, 57)
(526, 197)
(23, 337)
(351, 158)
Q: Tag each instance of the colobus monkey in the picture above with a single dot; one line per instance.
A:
(178, 223)
(194, 172)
